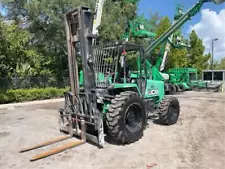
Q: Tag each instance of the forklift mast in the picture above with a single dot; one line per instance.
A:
(80, 38)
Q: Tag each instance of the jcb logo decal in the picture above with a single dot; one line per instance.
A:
(153, 92)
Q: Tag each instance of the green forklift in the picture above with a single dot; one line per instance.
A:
(110, 101)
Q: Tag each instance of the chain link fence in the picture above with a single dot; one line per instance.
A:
(33, 82)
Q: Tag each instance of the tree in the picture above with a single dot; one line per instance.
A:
(16, 10)
(162, 26)
(116, 16)
(44, 20)
(16, 52)
(155, 18)
(222, 63)
(216, 65)
(177, 58)
(219, 64)
(197, 58)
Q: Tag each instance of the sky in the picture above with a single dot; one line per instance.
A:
(209, 23)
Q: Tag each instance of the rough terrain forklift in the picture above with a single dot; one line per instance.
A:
(118, 105)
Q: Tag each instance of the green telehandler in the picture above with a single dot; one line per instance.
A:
(185, 78)
(168, 78)
(188, 79)
(176, 40)
(172, 37)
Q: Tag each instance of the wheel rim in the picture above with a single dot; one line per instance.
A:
(173, 111)
(133, 118)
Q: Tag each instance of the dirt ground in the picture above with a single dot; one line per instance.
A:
(197, 141)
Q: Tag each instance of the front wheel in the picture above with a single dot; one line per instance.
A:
(126, 118)
(169, 111)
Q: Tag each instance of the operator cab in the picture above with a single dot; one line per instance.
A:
(116, 63)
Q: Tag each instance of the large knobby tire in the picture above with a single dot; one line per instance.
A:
(126, 119)
(169, 111)
(172, 89)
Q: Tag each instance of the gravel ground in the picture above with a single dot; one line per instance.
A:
(196, 141)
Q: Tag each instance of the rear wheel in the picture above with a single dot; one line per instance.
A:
(181, 87)
(172, 89)
(169, 111)
(126, 118)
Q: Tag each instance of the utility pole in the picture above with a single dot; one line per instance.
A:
(212, 62)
